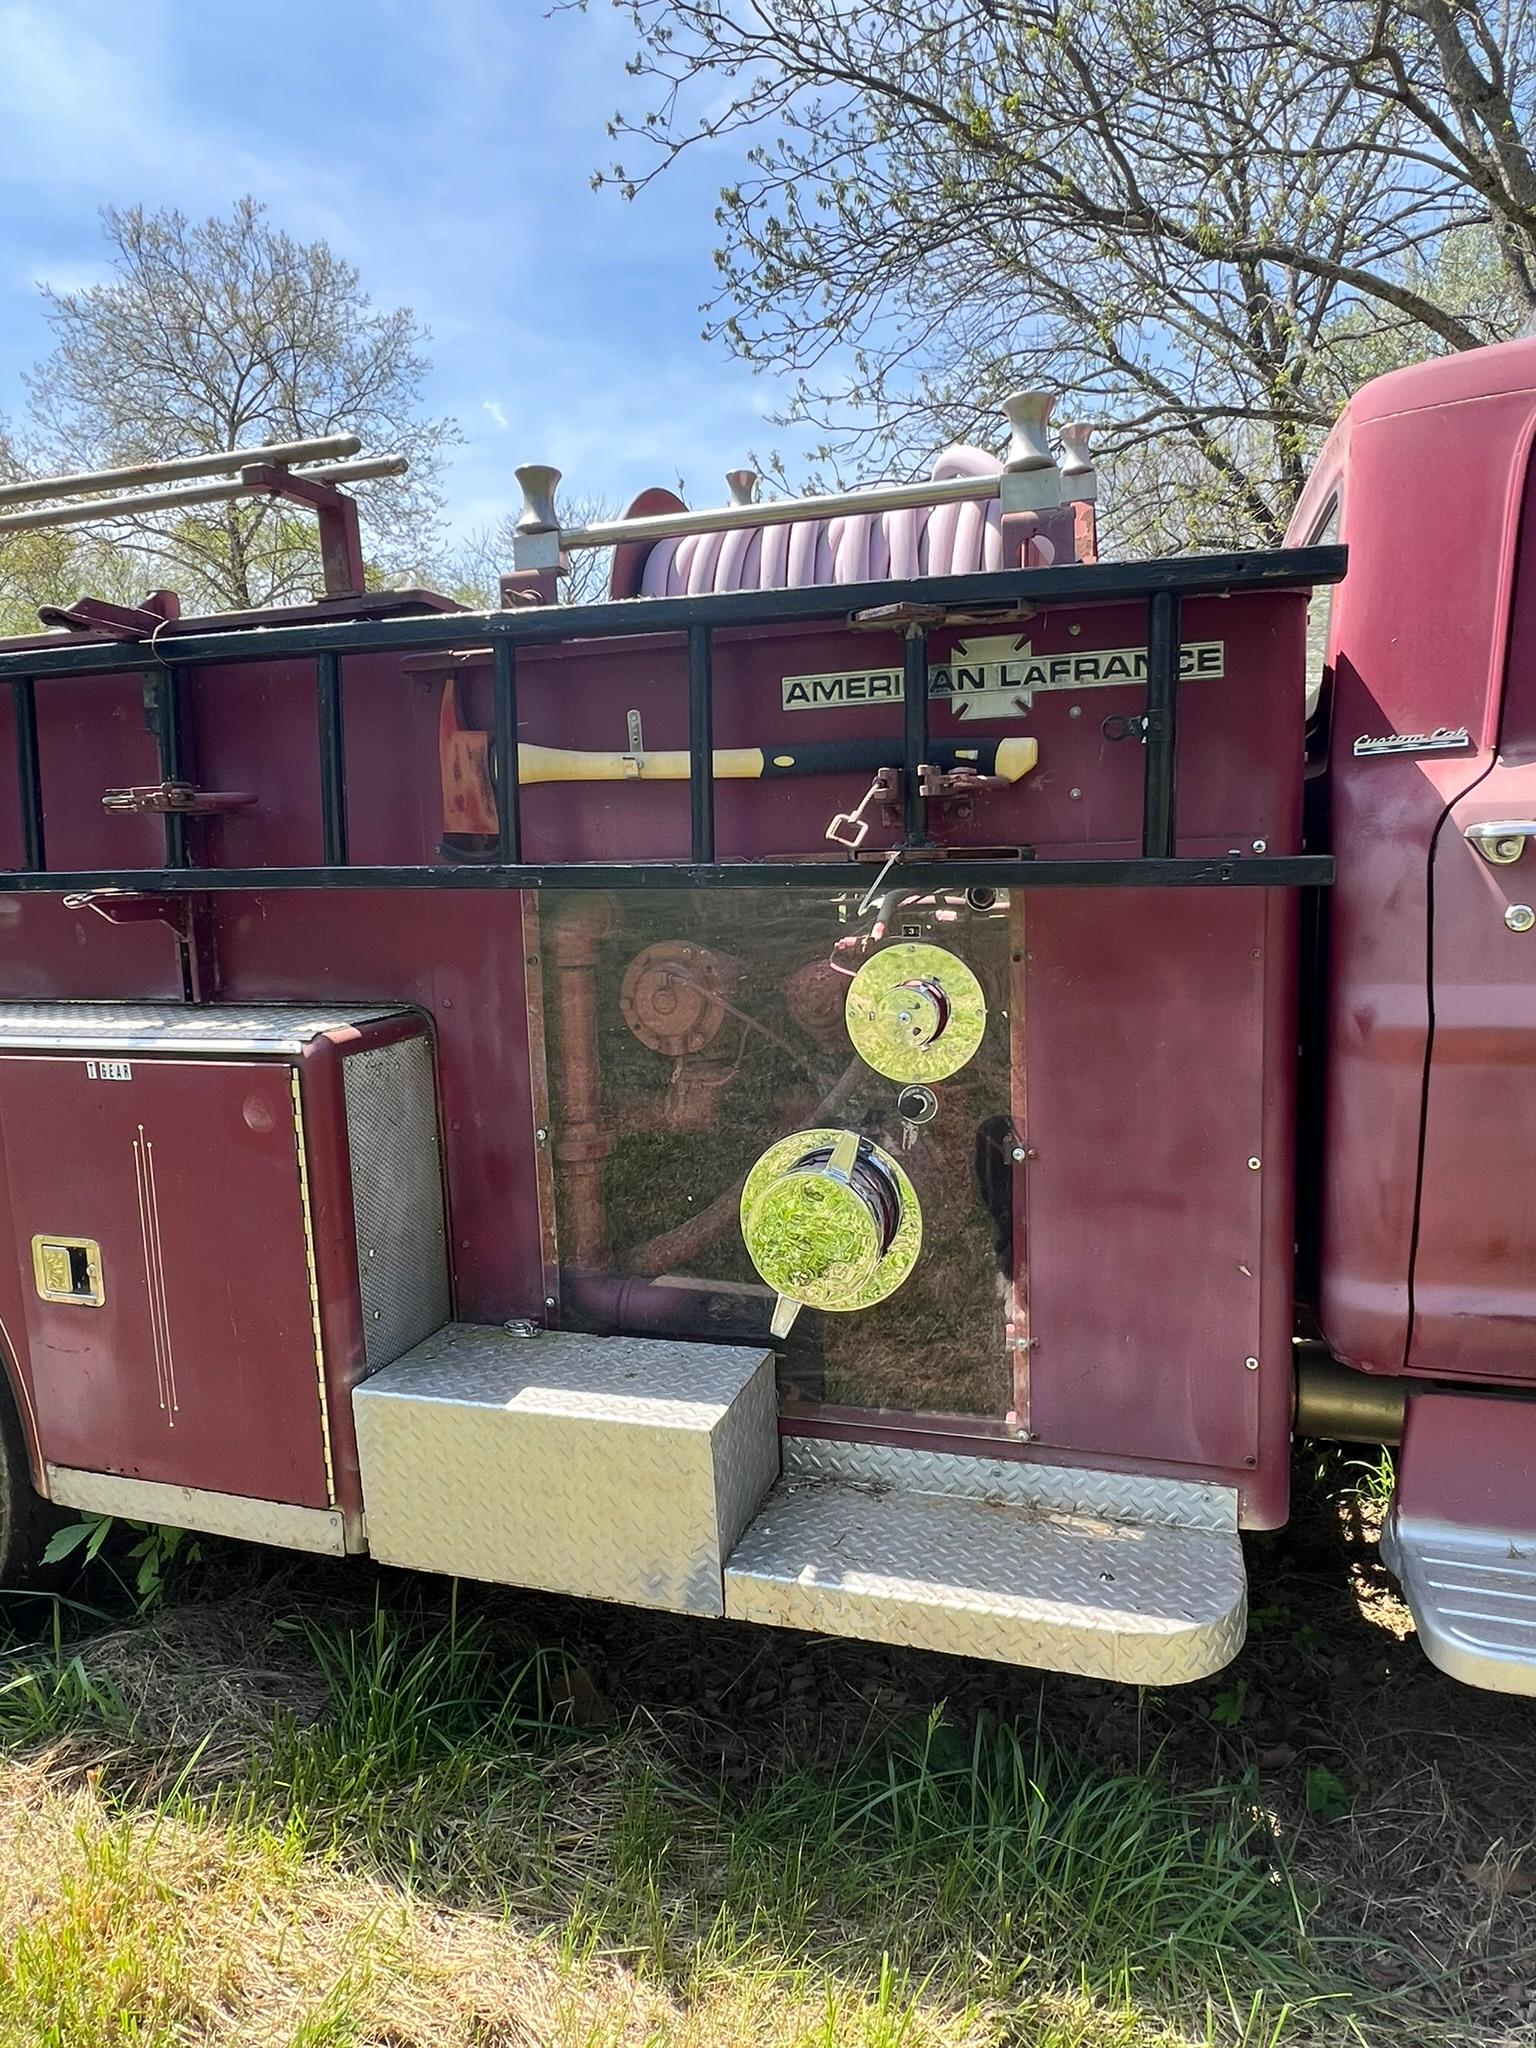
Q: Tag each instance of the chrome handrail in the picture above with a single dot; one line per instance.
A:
(219, 462)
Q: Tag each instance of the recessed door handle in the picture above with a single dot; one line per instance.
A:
(1501, 841)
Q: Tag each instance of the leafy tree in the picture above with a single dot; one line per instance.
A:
(221, 334)
(49, 565)
(1197, 223)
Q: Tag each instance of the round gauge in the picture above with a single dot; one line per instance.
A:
(671, 996)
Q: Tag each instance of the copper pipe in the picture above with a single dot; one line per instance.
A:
(691, 1103)
(583, 1141)
(677, 1306)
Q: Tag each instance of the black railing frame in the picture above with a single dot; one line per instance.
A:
(1160, 585)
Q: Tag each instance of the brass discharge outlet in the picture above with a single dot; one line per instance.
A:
(915, 1012)
(830, 1221)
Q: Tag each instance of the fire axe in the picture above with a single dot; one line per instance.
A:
(469, 793)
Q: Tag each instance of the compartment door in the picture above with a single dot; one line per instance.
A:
(1147, 1245)
(197, 1365)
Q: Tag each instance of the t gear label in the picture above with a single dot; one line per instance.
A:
(998, 677)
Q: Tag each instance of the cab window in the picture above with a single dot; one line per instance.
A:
(1320, 610)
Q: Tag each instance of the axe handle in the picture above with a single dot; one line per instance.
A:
(1008, 758)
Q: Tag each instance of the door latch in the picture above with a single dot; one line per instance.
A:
(68, 1269)
(1501, 841)
(178, 799)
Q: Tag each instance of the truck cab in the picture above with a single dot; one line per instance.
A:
(1424, 749)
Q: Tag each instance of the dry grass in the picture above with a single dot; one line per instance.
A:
(291, 1817)
(158, 1930)
(174, 1923)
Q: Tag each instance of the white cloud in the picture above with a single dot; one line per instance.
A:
(496, 410)
(61, 274)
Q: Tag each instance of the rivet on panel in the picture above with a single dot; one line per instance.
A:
(1074, 793)
(1254, 1165)
(1252, 1364)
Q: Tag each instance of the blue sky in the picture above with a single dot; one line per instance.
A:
(445, 147)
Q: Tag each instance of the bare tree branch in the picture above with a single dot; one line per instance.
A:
(1201, 225)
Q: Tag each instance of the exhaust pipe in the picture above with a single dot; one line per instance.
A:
(1336, 1402)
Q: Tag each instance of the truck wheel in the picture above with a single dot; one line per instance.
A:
(24, 1517)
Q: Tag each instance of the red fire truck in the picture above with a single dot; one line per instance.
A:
(869, 1082)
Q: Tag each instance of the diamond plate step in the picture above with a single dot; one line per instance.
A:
(1144, 1604)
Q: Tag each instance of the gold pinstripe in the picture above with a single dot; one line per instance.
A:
(314, 1284)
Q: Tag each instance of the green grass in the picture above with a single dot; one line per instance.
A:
(429, 1825)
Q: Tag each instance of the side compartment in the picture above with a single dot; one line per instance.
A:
(212, 1243)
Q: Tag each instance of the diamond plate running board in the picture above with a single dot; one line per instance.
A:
(1143, 1604)
(1461, 1535)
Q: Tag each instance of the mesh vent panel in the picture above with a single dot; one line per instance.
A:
(397, 1196)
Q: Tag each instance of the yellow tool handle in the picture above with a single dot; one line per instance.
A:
(1010, 758)
(578, 764)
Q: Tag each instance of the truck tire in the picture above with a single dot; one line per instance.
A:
(24, 1515)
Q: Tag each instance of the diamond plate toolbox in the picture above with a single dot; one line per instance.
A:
(611, 1468)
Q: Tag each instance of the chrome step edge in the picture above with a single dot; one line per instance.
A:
(1472, 1594)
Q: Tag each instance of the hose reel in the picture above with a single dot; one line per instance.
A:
(829, 1218)
(830, 1221)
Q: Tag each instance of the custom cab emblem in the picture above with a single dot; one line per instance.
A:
(1445, 739)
